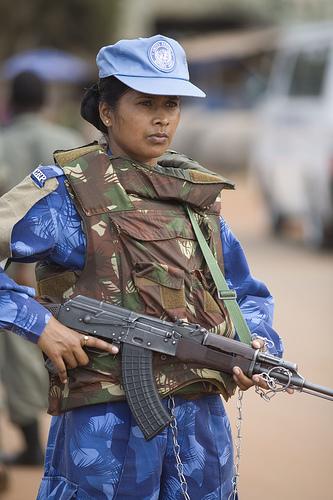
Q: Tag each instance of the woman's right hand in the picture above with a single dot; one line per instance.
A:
(63, 347)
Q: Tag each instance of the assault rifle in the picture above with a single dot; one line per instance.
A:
(139, 335)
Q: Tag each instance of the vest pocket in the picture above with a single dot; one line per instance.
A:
(154, 225)
(161, 288)
(209, 311)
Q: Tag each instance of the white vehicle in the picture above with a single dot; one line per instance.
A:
(293, 153)
(232, 68)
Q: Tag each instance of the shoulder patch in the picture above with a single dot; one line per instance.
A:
(42, 173)
(17, 202)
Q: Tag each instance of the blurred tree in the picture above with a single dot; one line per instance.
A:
(79, 26)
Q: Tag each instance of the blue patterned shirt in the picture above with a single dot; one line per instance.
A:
(52, 230)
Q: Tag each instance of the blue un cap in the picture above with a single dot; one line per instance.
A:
(155, 65)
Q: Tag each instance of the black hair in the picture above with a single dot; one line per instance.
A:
(108, 89)
(27, 92)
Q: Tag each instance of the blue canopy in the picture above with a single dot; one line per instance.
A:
(49, 64)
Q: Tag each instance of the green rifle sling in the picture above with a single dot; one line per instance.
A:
(228, 296)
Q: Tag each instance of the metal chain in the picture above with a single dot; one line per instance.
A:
(273, 385)
(238, 442)
(268, 344)
(176, 449)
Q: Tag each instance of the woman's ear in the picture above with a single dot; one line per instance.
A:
(105, 114)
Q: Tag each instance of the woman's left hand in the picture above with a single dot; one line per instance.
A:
(245, 382)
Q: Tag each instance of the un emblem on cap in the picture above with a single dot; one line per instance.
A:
(162, 56)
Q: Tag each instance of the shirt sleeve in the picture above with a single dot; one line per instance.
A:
(47, 231)
(20, 313)
(253, 297)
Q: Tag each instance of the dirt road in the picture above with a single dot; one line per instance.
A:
(287, 445)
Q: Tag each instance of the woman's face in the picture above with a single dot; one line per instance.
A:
(142, 126)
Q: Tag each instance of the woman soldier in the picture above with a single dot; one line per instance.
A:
(108, 221)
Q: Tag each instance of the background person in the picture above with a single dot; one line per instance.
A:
(95, 448)
(28, 140)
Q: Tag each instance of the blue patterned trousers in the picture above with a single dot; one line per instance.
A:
(98, 452)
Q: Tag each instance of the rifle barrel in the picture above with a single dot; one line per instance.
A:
(318, 390)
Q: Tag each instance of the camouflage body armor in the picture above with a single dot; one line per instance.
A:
(141, 254)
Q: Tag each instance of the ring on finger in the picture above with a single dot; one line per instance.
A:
(84, 340)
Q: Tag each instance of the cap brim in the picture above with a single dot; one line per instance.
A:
(161, 86)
